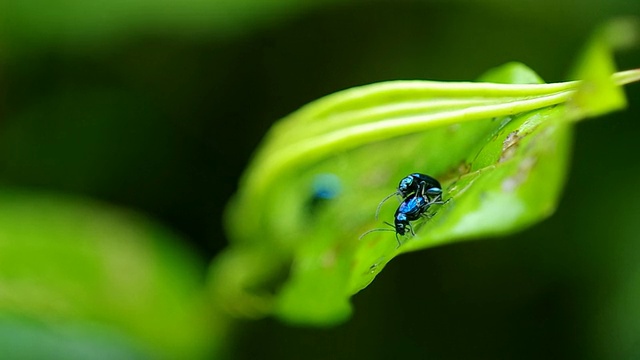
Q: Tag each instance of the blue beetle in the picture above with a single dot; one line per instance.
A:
(418, 192)
(419, 184)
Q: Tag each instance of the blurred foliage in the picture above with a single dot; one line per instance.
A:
(83, 268)
(36, 24)
(140, 103)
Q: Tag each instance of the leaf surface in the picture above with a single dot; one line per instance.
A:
(499, 146)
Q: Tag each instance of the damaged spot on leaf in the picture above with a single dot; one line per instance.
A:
(509, 145)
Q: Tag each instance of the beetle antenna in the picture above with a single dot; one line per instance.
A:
(382, 202)
(373, 230)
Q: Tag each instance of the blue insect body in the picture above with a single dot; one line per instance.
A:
(409, 210)
(416, 184)
(419, 183)
(418, 192)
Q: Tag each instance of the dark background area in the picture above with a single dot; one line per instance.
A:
(162, 117)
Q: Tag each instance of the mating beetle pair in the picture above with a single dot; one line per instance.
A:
(418, 192)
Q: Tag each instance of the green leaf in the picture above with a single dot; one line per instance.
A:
(598, 93)
(78, 278)
(500, 147)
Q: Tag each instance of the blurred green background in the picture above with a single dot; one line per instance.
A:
(154, 108)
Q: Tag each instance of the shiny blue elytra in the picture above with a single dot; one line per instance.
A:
(409, 210)
(418, 192)
(412, 184)
(416, 182)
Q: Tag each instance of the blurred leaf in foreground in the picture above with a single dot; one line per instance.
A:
(85, 281)
(500, 147)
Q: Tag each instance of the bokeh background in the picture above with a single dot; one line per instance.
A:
(156, 107)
